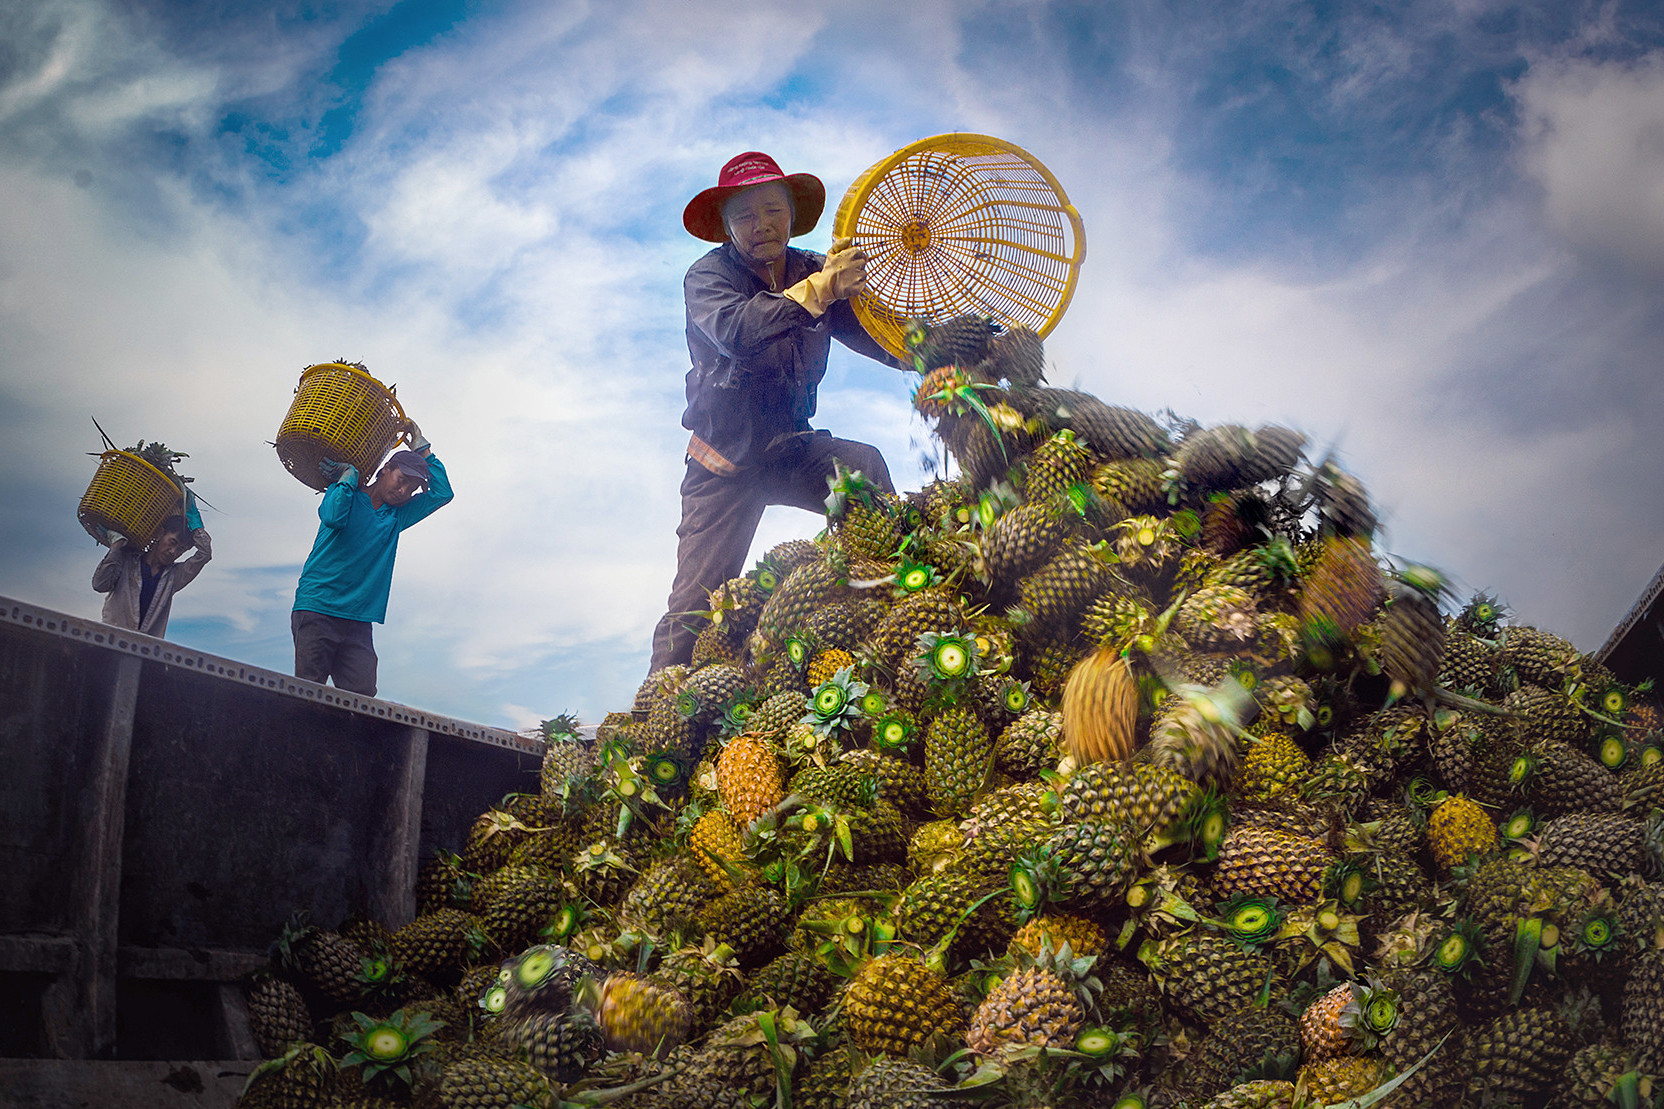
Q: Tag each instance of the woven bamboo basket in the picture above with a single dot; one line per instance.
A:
(958, 224)
(340, 414)
(130, 496)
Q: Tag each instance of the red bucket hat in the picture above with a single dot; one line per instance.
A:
(703, 215)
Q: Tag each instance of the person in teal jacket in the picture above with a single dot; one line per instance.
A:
(347, 577)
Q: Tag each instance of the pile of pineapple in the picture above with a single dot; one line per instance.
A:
(1121, 770)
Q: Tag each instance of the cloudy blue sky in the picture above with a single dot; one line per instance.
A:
(1431, 235)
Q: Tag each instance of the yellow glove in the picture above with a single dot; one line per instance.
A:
(843, 275)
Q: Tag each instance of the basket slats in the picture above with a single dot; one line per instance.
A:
(961, 223)
(130, 496)
(340, 414)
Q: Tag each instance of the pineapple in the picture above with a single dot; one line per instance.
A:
(1055, 594)
(1260, 862)
(303, 1077)
(666, 897)
(1133, 483)
(1351, 1017)
(794, 979)
(888, 1083)
(1643, 1011)
(958, 753)
(1457, 830)
(751, 920)
(1272, 765)
(559, 1046)
(1084, 937)
(1332, 1081)
(1018, 356)
(1207, 975)
(638, 1014)
(895, 1004)
(278, 1015)
(1608, 845)
(1252, 1040)
(1029, 744)
(1056, 465)
(1517, 1055)
(1112, 432)
(748, 777)
(1593, 1074)
(485, 1082)
(1258, 1094)
(1035, 1006)
(800, 593)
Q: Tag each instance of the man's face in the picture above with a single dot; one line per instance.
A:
(395, 486)
(167, 548)
(759, 221)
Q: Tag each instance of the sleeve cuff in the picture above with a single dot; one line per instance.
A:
(814, 293)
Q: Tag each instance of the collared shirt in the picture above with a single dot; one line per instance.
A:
(121, 572)
(758, 356)
(349, 573)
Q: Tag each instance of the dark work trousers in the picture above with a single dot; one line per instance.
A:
(720, 517)
(327, 646)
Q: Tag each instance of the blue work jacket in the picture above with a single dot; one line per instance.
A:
(350, 570)
(758, 357)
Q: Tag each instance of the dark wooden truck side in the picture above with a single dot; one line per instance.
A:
(162, 812)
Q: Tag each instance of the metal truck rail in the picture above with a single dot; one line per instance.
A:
(162, 812)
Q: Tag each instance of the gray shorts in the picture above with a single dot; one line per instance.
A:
(329, 646)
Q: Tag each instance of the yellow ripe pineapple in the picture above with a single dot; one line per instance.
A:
(1351, 1018)
(1458, 829)
(826, 664)
(748, 778)
(715, 837)
(1084, 937)
(1332, 1081)
(639, 1014)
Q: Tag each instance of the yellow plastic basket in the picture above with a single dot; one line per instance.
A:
(130, 496)
(340, 414)
(958, 224)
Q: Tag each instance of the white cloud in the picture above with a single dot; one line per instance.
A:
(1594, 141)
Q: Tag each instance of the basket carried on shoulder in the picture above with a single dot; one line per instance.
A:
(130, 496)
(961, 224)
(340, 414)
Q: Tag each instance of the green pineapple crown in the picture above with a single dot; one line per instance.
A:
(388, 1049)
(1036, 878)
(560, 729)
(1482, 616)
(835, 705)
(915, 577)
(1456, 952)
(845, 486)
(1248, 919)
(1370, 1013)
(947, 659)
(895, 731)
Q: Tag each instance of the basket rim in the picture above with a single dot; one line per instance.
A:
(855, 198)
(365, 374)
(147, 465)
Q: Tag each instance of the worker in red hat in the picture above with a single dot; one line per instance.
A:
(761, 319)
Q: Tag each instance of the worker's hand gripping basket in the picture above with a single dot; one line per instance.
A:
(961, 224)
(129, 496)
(340, 414)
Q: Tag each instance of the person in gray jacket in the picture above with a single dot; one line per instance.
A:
(141, 582)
